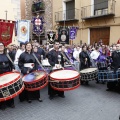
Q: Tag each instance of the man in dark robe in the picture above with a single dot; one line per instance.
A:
(53, 57)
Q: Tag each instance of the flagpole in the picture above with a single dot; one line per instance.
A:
(39, 38)
(6, 14)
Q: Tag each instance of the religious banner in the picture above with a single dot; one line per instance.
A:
(63, 35)
(6, 32)
(51, 36)
(23, 30)
(38, 25)
(73, 32)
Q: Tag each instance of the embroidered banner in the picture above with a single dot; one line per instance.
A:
(63, 35)
(38, 25)
(73, 32)
(51, 36)
(6, 32)
(23, 30)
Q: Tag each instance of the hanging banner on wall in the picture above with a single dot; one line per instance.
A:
(51, 36)
(23, 30)
(6, 32)
(38, 25)
(63, 35)
(73, 33)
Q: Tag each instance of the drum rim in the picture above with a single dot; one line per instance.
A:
(36, 79)
(11, 82)
(38, 88)
(13, 95)
(66, 79)
(65, 89)
(88, 68)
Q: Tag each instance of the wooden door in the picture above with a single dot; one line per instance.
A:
(96, 34)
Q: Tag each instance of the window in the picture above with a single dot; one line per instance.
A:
(100, 7)
(70, 9)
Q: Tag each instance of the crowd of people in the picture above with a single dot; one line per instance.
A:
(81, 56)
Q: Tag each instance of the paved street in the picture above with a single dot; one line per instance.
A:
(90, 102)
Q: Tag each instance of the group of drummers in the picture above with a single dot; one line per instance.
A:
(28, 58)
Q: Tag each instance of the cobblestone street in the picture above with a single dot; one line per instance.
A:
(90, 102)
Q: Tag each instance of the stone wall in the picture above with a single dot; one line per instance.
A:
(47, 14)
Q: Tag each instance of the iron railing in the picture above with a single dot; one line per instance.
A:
(97, 10)
(66, 15)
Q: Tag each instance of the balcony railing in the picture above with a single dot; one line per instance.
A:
(67, 15)
(98, 10)
(38, 7)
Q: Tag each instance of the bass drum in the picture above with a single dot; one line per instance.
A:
(35, 80)
(11, 85)
(63, 80)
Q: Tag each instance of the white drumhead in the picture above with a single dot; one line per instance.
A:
(33, 76)
(64, 74)
(88, 70)
(45, 62)
(8, 78)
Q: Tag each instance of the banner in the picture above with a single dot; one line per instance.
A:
(72, 32)
(51, 36)
(63, 35)
(38, 25)
(23, 30)
(6, 32)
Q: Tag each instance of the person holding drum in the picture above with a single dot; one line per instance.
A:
(115, 65)
(55, 59)
(84, 58)
(5, 66)
(27, 63)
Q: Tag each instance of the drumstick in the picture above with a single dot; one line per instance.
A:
(69, 62)
(38, 62)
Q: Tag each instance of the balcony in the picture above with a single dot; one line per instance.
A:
(67, 15)
(38, 7)
(102, 9)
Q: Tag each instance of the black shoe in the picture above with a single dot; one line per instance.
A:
(86, 82)
(12, 106)
(3, 107)
(29, 101)
(97, 82)
(62, 96)
(40, 100)
(50, 97)
(108, 89)
(21, 100)
(103, 82)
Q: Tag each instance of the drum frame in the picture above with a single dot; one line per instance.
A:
(45, 78)
(95, 73)
(108, 75)
(62, 81)
(6, 85)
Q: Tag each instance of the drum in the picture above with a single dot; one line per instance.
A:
(35, 80)
(63, 80)
(108, 75)
(11, 85)
(89, 74)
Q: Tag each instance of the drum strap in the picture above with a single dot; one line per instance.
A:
(10, 59)
(69, 62)
(38, 62)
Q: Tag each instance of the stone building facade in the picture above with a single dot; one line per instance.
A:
(47, 14)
